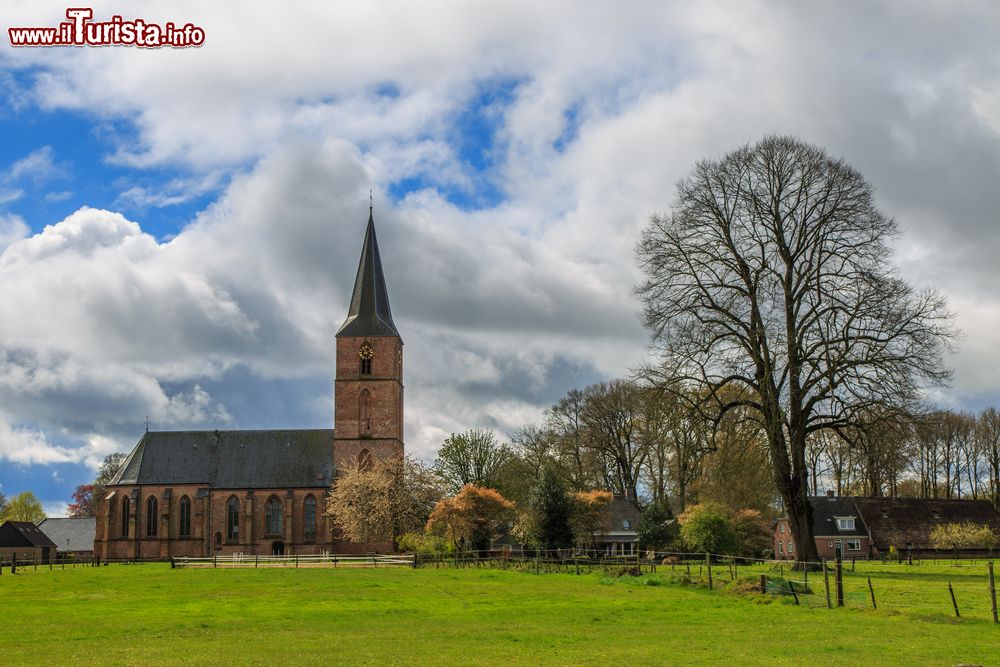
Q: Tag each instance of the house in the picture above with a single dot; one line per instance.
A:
(857, 527)
(620, 535)
(201, 493)
(74, 538)
(838, 526)
(906, 523)
(24, 541)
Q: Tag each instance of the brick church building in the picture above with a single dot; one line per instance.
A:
(199, 493)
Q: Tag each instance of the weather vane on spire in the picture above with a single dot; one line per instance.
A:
(371, 199)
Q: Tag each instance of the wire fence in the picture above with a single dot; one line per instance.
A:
(960, 588)
(963, 588)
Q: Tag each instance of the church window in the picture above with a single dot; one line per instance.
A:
(272, 516)
(185, 517)
(309, 519)
(233, 520)
(151, 516)
(364, 413)
(365, 460)
(125, 512)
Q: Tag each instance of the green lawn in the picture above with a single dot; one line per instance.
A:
(150, 614)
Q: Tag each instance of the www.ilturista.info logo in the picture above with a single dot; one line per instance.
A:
(79, 30)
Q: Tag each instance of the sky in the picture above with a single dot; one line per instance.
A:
(180, 227)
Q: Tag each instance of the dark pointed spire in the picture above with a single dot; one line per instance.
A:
(369, 314)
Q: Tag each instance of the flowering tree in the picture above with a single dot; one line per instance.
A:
(385, 500)
(965, 535)
(83, 502)
(589, 515)
(472, 517)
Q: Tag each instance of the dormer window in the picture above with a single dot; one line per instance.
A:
(626, 524)
(845, 523)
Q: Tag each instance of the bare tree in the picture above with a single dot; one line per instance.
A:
(610, 414)
(772, 277)
(988, 435)
(565, 421)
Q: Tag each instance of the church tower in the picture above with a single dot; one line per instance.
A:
(368, 391)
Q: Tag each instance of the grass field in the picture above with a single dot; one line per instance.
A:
(150, 614)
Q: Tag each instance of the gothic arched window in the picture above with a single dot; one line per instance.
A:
(365, 460)
(184, 529)
(364, 413)
(272, 516)
(309, 519)
(232, 519)
(126, 508)
(151, 516)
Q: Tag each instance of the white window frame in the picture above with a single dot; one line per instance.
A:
(791, 547)
(781, 547)
(850, 544)
(781, 526)
(842, 523)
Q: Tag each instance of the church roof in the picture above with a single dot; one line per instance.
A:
(231, 459)
(369, 313)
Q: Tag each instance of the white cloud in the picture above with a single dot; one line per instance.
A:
(12, 229)
(601, 109)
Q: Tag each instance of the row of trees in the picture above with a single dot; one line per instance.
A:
(938, 454)
(462, 503)
(627, 437)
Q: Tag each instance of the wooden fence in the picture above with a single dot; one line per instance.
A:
(239, 560)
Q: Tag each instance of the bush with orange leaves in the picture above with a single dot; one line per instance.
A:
(590, 515)
(472, 517)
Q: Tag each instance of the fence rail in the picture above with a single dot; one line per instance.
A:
(239, 560)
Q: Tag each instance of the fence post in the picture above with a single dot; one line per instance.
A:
(840, 582)
(852, 563)
(256, 560)
(872, 591)
(993, 593)
(954, 603)
(708, 565)
(791, 587)
(763, 584)
(826, 585)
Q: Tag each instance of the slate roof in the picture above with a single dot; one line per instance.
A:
(71, 534)
(369, 313)
(908, 522)
(622, 509)
(23, 534)
(827, 509)
(231, 459)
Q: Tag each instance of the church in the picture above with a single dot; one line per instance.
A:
(201, 493)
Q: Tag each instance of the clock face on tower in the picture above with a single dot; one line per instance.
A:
(367, 351)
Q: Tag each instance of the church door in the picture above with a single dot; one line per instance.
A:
(278, 549)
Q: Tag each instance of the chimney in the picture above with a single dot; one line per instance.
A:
(829, 494)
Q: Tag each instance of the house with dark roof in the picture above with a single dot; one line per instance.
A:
(620, 534)
(73, 537)
(867, 527)
(199, 493)
(838, 526)
(906, 523)
(24, 541)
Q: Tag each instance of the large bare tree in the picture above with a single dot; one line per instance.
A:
(772, 277)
